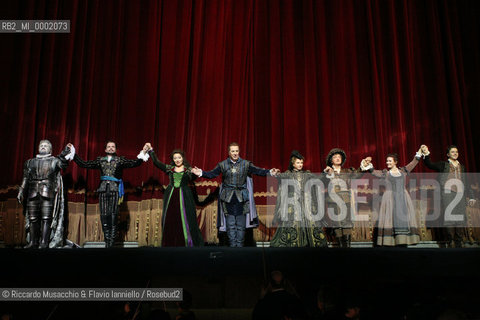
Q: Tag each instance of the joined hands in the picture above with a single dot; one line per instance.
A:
(147, 147)
(197, 171)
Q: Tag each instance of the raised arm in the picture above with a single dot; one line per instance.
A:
(63, 163)
(409, 167)
(367, 166)
(130, 163)
(436, 166)
(159, 164)
(89, 164)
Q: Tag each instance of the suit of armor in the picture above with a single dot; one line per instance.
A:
(39, 188)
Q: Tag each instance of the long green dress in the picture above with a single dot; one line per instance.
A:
(179, 221)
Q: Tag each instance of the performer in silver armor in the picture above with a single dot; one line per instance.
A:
(42, 193)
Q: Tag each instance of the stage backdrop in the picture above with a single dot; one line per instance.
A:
(371, 77)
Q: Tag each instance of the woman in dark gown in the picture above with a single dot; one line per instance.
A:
(179, 221)
(296, 227)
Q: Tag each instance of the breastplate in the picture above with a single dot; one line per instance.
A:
(42, 177)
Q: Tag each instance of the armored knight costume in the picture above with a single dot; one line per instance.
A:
(41, 191)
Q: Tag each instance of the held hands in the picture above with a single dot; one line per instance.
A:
(147, 147)
(366, 162)
(424, 150)
(69, 147)
(197, 171)
(143, 153)
(71, 152)
(329, 170)
(274, 172)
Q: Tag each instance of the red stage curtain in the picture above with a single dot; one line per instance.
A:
(371, 77)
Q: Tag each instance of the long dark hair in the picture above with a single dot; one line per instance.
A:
(186, 164)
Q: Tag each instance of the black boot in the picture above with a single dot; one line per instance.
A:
(106, 237)
(341, 242)
(458, 243)
(106, 227)
(458, 238)
(45, 234)
(347, 240)
(34, 235)
(450, 236)
(113, 228)
(344, 241)
(113, 235)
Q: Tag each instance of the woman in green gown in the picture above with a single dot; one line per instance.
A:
(179, 220)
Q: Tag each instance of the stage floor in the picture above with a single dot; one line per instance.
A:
(222, 278)
(144, 262)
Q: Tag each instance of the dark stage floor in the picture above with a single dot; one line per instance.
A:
(219, 278)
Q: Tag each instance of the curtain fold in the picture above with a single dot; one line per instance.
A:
(371, 77)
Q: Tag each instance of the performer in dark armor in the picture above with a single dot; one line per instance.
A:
(42, 193)
(111, 185)
(237, 209)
